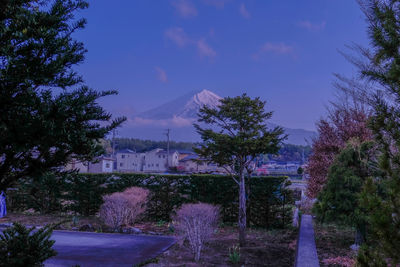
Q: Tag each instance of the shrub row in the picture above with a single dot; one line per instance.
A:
(269, 202)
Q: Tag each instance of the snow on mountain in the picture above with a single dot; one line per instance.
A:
(185, 106)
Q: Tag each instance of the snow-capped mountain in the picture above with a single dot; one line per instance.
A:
(180, 114)
(186, 106)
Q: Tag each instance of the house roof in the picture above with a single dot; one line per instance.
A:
(126, 151)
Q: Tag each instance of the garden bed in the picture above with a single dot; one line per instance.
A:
(333, 245)
(264, 248)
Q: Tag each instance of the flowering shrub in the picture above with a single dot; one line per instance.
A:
(124, 208)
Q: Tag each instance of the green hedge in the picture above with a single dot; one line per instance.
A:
(269, 202)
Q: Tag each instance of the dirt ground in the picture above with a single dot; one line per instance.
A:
(264, 248)
(333, 245)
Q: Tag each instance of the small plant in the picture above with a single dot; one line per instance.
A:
(161, 223)
(197, 223)
(234, 254)
(20, 246)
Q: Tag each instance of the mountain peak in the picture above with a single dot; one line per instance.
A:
(185, 106)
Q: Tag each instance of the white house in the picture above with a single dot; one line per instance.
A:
(129, 161)
(158, 160)
(102, 164)
(76, 164)
(194, 164)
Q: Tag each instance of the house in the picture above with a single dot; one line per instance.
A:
(158, 160)
(194, 164)
(129, 161)
(102, 164)
(75, 164)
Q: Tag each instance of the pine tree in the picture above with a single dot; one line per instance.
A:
(381, 196)
(47, 114)
(238, 133)
(20, 246)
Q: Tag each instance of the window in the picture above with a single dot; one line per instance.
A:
(159, 156)
(121, 164)
(157, 165)
(163, 156)
(123, 156)
(107, 165)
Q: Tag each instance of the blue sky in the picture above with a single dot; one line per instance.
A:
(283, 51)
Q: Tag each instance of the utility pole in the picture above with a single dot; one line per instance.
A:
(113, 142)
(167, 134)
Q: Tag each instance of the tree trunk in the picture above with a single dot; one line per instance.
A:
(242, 211)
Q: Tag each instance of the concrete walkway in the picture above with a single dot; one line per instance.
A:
(306, 250)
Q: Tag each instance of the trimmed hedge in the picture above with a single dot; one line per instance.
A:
(269, 202)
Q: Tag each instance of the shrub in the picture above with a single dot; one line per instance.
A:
(20, 246)
(137, 199)
(197, 223)
(123, 208)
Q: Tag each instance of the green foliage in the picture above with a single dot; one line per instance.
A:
(339, 200)
(289, 152)
(241, 132)
(381, 67)
(20, 247)
(234, 254)
(237, 133)
(47, 115)
(270, 202)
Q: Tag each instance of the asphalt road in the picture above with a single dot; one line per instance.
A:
(97, 249)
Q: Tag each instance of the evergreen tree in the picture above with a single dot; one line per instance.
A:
(238, 133)
(47, 114)
(381, 66)
(20, 246)
(339, 200)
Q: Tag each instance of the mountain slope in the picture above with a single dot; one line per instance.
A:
(185, 106)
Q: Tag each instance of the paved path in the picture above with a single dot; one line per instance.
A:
(93, 249)
(306, 250)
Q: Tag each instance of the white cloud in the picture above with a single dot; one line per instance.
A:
(161, 74)
(244, 12)
(312, 26)
(204, 49)
(275, 48)
(184, 8)
(178, 36)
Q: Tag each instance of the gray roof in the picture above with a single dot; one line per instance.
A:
(126, 151)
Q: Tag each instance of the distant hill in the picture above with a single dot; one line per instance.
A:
(179, 116)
